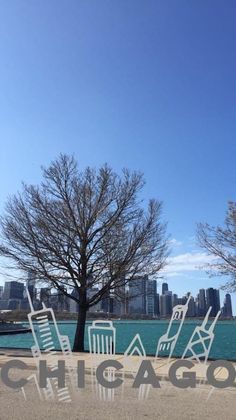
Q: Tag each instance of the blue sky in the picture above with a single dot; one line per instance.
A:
(149, 85)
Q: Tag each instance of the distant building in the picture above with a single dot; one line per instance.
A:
(157, 305)
(166, 304)
(137, 295)
(90, 293)
(164, 288)
(151, 286)
(116, 305)
(202, 303)
(14, 304)
(53, 301)
(175, 300)
(3, 304)
(24, 305)
(13, 290)
(213, 300)
(227, 308)
(191, 312)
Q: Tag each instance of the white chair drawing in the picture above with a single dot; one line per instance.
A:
(102, 338)
(102, 342)
(167, 341)
(201, 340)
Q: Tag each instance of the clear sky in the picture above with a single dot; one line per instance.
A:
(149, 85)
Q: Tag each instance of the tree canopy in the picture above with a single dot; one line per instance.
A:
(220, 242)
(80, 229)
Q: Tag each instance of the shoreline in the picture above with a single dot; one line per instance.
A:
(17, 350)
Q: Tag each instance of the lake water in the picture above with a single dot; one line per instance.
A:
(224, 345)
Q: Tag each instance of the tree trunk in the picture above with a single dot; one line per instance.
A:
(80, 330)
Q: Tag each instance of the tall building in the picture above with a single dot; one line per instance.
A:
(157, 305)
(120, 301)
(166, 304)
(227, 308)
(13, 290)
(115, 302)
(175, 300)
(191, 312)
(90, 293)
(151, 297)
(14, 304)
(117, 305)
(164, 288)
(202, 303)
(137, 295)
(213, 300)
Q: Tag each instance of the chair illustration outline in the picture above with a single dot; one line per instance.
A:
(167, 342)
(104, 343)
(203, 335)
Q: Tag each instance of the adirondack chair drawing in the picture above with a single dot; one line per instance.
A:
(167, 341)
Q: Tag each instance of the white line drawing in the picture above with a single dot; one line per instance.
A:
(35, 382)
(203, 338)
(104, 343)
(43, 338)
(136, 346)
(167, 342)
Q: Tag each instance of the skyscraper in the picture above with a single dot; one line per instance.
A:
(201, 302)
(166, 304)
(164, 288)
(213, 299)
(157, 305)
(137, 295)
(227, 308)
(191, 312)
(151, 296)
(13, 290)
(174, 300)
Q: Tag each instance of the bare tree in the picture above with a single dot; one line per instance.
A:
(220, 242)
(77, 230)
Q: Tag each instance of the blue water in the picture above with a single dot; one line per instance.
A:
(224, 345)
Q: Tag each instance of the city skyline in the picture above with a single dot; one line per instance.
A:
(141, 298)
